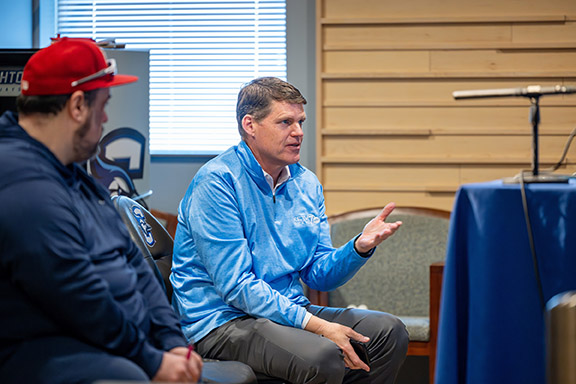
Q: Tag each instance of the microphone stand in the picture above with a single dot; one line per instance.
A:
(535, 120)
(536, 176)
(533, 93)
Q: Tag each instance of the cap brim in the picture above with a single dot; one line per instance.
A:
(122, 79)
(109, 81)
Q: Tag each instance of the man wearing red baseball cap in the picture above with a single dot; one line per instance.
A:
(78, 302)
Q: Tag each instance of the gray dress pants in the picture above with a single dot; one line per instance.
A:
(299, 356)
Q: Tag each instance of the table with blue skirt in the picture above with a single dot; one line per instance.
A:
(492, 322)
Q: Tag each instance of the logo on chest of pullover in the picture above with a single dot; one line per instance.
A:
(306, 219)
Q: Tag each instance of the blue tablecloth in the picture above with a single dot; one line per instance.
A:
(492, 326)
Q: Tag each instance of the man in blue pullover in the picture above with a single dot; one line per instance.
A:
(251, 226)
(78, 304)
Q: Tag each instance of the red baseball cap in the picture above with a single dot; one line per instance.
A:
(68, 65)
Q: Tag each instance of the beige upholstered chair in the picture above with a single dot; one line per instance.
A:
(404, 275)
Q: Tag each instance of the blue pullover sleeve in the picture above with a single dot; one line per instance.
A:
(330, 267)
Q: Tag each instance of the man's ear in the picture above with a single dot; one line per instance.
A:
(77, 107)
(248, 125)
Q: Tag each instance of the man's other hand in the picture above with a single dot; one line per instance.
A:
(340, 335)
(175, 367)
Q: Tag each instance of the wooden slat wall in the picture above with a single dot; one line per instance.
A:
(388, 126)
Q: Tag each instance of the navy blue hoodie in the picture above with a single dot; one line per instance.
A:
(67, 264)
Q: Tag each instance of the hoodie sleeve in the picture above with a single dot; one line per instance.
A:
(45, 251)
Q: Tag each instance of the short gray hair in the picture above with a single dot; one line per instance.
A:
(256, 97)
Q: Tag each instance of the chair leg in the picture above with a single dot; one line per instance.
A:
(431, 367)
(436, 277)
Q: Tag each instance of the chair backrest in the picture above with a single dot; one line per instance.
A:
(150, 236)
(395, 279)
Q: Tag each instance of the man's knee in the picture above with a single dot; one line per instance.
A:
(66, 360)
(398, 332)
(116, 368)
(90, 366)
(388, 334)
(392, 336)
(399, 338)
(326, 365)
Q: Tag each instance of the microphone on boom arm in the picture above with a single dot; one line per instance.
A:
(533, 92)
(529, 91)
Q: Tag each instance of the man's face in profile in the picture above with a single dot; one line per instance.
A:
(88, 136)
(278, 136)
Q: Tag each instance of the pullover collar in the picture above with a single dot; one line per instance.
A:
(258, 175)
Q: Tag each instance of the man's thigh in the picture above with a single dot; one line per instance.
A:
(366, 322)
(279, 351)
(66, 360)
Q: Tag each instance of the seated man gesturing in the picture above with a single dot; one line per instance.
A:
(251, 225)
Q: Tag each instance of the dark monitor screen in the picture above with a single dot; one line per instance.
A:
(12, 62)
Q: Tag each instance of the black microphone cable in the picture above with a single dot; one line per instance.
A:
(530, 232)
(531, 242)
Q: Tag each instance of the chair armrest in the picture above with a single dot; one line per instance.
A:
(168, 220)
(318, 297)
(436, 276)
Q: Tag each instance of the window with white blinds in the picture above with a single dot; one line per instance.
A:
(201, 52)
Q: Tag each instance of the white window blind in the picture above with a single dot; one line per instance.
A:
(201, 52)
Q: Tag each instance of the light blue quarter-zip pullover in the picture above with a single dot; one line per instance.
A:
(241, 249)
